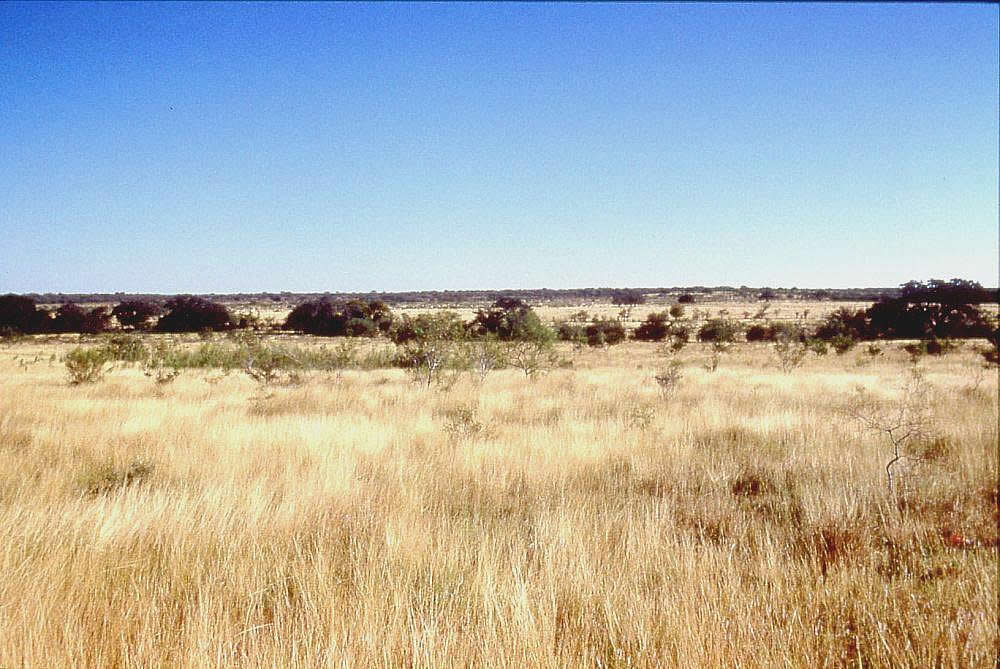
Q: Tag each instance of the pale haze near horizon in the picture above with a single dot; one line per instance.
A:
(171, 148)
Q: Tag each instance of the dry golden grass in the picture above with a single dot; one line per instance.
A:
(579, 520)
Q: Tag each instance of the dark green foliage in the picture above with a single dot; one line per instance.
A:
(573, 332)
(194, 314)
(759, 333)
(71, 318)
(936, 309)
(719, 330)
(354, 318)
(686, 298)
(510, 319)
(445, 325)
(956, 291)
(627, 296)
(19, 314)
(656, 327)
(843, 322)
(605, 332)
(136, 314)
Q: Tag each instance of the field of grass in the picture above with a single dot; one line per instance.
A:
(582, 519)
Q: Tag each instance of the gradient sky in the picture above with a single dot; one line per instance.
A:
(347, 147)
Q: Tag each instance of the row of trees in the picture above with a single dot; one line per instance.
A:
(931, 310)
(19, 314)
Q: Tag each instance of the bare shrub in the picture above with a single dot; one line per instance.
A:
(904, 423)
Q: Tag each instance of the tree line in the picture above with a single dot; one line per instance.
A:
(929, 310)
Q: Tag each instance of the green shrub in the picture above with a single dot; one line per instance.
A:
(125, 348)
(817, 346)
(843, 343)
(86, 365)
(656, 327)
(719, 330)
(572, 332)
(605, 333)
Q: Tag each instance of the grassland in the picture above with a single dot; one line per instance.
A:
(582, 519)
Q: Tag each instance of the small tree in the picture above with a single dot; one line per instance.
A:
(484, 355)
(719, 349)
(669, 378)
(790, 350)
(903, 423)
(430, 344)
(531, 357)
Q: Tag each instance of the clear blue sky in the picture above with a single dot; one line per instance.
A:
(347, 147)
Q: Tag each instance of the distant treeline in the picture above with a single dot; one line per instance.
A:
(537, 296)
(918, 310)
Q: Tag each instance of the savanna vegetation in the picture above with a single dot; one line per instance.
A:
(427, 489)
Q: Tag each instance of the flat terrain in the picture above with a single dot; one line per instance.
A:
(581, 519)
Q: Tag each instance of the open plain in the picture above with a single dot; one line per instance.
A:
(584, 518)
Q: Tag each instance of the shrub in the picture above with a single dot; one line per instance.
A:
(106, 478)
(531, 357)
(759, 333)
(686, 298)
(935, 346)
(429, 345)
(125, 348)
(510, 319)
(817, 346)
(668, 379)
(656, 327)
(444, 325)
(86, 365)
(719, 330)
(573, 332)
(843, 343)
(605, 332)
(193, 314)
(627, 296)
(791, 352)
(843, 322)
(336, 319)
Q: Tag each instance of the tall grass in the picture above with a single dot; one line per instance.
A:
(583, 519)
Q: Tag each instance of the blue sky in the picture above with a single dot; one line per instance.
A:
(353, 147)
